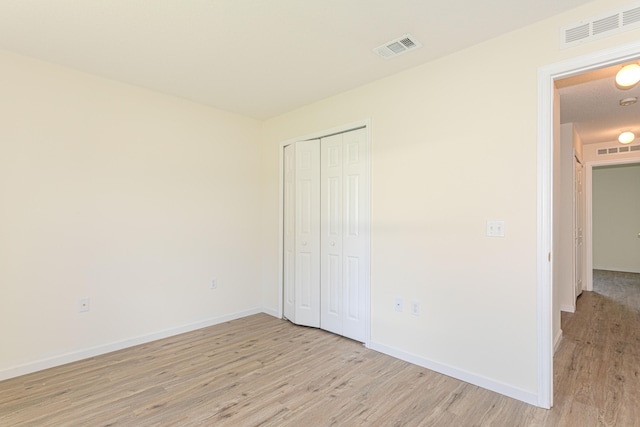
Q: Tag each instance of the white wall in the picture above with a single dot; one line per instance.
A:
(132, 198)
(616, 218)
(577, 145)
(564, 216)
(453, 144)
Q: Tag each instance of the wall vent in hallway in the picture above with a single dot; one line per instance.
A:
(616, 150)
(597, 27)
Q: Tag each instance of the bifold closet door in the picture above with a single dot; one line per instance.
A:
(326, 233)
(302, 233)
(344, 265)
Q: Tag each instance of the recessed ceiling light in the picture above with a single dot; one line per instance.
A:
(626, 137)
(628, 101)
(628, 76)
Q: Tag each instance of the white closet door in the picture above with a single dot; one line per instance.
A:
(345, 234)
(355, 238)
(332, 206)
(289, 264)
(307, 233)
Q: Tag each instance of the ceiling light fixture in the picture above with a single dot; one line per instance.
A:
(628, 101)
(628, 76)
(626, 137)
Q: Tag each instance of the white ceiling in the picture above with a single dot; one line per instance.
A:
(259, 58)
(592, 102)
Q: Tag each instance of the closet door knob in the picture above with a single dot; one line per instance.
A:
(304, 243)
(332, 243)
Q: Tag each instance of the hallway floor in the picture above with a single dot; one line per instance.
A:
(597, 366)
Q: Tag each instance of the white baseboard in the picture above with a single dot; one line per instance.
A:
(568, 308)
(62, 359)
(271, 312)
(74, 356)
(618, 270)
(479, 380)
(556, 341)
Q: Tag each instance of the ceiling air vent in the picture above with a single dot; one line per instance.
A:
(398, 46)
(597, 27)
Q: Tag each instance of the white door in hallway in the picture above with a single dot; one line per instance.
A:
(578, 211)
(326, 233)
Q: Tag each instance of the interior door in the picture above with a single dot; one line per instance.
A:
(307, 234)
(345, 234)
(578, 210)
(289, 232)
(331, 264)
(326, 231)
(302, 233)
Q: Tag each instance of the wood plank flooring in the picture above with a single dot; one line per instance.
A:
(597, 366)
(261, 371)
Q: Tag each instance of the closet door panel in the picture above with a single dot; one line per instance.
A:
(289, 245)
(333, 291)
(307, 233)
(355, 241)
(332, 298)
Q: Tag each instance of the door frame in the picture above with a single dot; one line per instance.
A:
(588, 183)
(363, 123)
(545, 302)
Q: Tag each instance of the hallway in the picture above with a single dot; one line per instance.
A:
(597, 366)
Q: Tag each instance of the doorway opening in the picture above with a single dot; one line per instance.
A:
(548, 130)
(613, 205)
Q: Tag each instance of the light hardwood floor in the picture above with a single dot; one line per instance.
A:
(264, 371)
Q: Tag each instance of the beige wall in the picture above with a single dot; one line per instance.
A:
(616, 218)
(132, 198)
(453, 144)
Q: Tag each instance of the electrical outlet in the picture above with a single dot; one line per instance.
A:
(398, 303)
(495, 228)
(415, 308)
(83, 304)
(214, 284)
